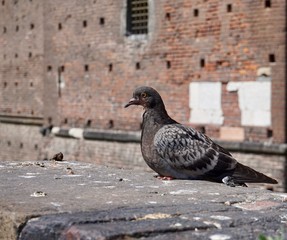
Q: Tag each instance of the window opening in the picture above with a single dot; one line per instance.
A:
(137, 17)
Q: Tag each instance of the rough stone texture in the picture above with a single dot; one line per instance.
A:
(72, 200)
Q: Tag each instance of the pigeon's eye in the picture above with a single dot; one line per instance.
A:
(144, 95)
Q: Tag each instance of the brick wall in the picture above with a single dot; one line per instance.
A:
(187, 41)
(20, 142)
(91, 67)
(21, 58)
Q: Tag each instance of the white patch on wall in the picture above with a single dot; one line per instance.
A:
(205, 103)
(254, 102)
(76, 132)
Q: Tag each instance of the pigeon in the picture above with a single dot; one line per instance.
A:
(175, 151)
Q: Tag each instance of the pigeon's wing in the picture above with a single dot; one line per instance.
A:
(191, 152)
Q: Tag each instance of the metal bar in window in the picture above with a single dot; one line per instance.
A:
(137, 16)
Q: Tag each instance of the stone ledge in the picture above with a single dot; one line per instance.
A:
(126, 136)
(26, 120)
(98, 134)
(254, 147)
(73, 200)
(118, 136)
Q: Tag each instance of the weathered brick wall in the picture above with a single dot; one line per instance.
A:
(20, 142)
(187, 41)
(21, 58)
(91, 67)
(100, 93)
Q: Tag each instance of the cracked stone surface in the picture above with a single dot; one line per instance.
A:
(72, 200)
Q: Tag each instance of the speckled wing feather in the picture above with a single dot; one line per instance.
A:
(192, 154)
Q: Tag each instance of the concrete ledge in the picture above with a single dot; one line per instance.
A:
(73, 200)
(26, 120)
(118, 136)
(254, 147)
(98, 134)
(125, 136)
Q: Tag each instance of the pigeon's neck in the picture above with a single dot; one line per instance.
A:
(158, 116)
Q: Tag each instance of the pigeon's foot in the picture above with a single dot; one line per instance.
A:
(231, 182)
(165, 178)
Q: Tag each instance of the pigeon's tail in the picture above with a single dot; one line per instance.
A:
(244, 174)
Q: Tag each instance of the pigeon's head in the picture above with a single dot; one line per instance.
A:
(146, 97)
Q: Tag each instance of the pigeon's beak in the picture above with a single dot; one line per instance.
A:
(133, 101)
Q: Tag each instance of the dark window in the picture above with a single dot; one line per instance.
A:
(269, 133)
(195, 12)
(102, 21)
(137, 17)
(110, 67)
(168, 64)
(167, 16)
(229, 8)
(89, 122)
(267, 3)
(272, 58)
(111, 124)
(202, 62)
(138, 66)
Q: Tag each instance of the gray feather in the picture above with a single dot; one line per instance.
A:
(186, 149)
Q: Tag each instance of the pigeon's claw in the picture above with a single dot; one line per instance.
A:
(165, 178)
